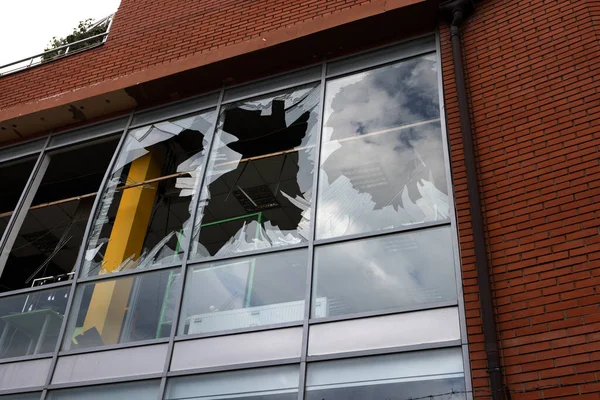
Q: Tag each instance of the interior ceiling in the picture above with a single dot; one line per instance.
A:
(365, 33)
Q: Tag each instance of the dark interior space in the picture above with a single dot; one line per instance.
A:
(13, 177)
(268, 165)
(49, 239)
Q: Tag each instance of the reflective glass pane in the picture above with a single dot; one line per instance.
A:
(382, 155)
(145, 213)
(24, 396)
(436, 373)
(46, 246)
(277, 383)
(142, 390)
(257, 192)
(29, 323)
(403, 270)
(14, 177)
(245, 292)
(123, 310)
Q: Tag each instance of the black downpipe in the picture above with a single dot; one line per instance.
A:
(457, 11)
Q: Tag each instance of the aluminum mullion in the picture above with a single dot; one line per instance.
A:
(282, 88)
(251, 253)
(19, 213)
(235, 367)
(385, 350)
(382, 232)
(31, 357)
(78, 263)
(453, 223)
(186, 253)
(238, 331)
(34, 289)
(115, 275)
(102, 348)
(104, 381)
(311, 237)
(381, 313)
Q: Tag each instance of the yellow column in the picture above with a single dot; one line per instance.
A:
(109, 301)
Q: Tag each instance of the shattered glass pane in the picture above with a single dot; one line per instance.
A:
(382, 155)
(258, 188)
(144, 218)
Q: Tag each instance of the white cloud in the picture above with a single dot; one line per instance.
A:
(28, 25)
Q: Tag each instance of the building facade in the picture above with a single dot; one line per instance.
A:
(385, 199)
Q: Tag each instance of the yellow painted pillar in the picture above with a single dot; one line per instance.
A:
(108, 304)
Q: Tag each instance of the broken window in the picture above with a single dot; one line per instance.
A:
(258, 188)
(382, 155)
(146, 210)
(44, 248)
(123, 310)
(14, 178)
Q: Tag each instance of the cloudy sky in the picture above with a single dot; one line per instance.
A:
(28, 25)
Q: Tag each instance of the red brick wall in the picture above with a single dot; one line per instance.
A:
(533, 70)
(149, 33)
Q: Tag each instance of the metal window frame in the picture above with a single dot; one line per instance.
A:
(352, 64)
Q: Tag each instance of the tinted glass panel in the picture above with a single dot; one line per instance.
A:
(46, 247)
(29, 323)
(123, 310)
(14, 177)
(280, 383)
(145, 212)
(402, 270)
(244, 292)
(391, 377)
(25, 396)
(143, 390)
(382, 160)
(258, 188)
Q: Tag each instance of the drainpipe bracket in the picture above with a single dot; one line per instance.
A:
(449, 7)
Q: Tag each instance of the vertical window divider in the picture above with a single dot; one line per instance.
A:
(186, 252)
(311, 237)
(78, 262)
(22, 206)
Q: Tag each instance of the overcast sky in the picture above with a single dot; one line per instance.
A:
(28, 25)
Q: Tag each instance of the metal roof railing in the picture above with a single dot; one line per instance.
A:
(61, 51)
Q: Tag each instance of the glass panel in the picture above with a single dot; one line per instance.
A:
(249, 347)
(145, 212)
(14, 177)
(24, 396)
(47, 245)
(29, 323)
(416, 375)
(277, 383)
(382, 158)
(403, 270)
(142, 390)
(110, 364)
(123, 310)
(258, 187)
(428, 326)
(244, 292)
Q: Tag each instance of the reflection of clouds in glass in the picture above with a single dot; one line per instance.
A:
(390, 271)
(382, 154)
